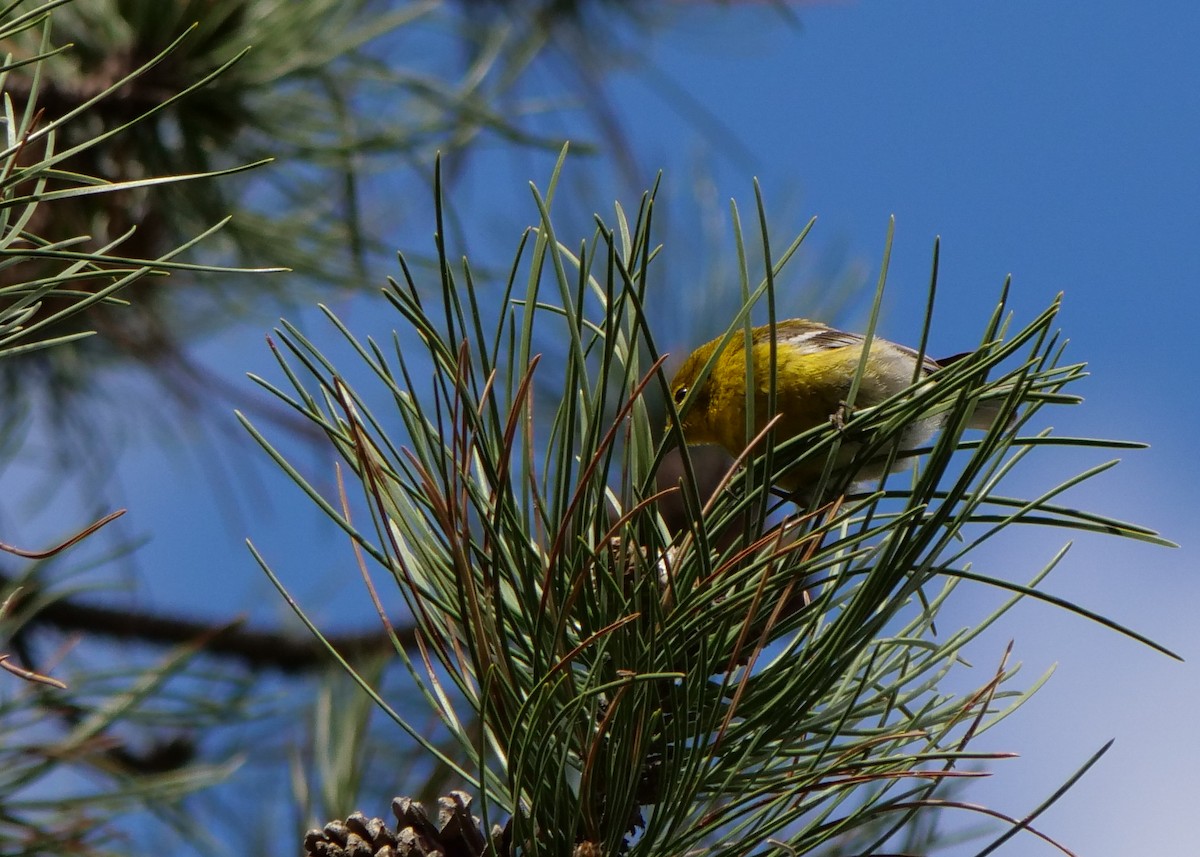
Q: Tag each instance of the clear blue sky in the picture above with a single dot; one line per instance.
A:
(1057, 142)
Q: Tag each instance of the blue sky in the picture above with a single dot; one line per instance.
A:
(1056, 142)
(1059, 143)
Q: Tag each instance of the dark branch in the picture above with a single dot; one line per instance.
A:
(257, 649)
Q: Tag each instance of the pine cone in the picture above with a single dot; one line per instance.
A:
(456, 833)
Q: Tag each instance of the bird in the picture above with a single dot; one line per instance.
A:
(815, 367)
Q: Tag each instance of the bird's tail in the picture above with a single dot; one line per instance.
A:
(987, 411)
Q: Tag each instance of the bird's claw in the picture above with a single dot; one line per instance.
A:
(839, 417)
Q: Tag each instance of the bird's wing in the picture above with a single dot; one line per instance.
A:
(943, 362)
(818, 337)
(811, 336)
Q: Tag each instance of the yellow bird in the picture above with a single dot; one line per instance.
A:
(815, 367)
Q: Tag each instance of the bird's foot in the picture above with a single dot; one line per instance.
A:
(839, 417)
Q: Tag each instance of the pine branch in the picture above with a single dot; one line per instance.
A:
(254, 648)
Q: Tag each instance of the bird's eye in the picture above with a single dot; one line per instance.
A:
(680, 395)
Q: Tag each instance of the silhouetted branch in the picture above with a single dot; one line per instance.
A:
(257, 649)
